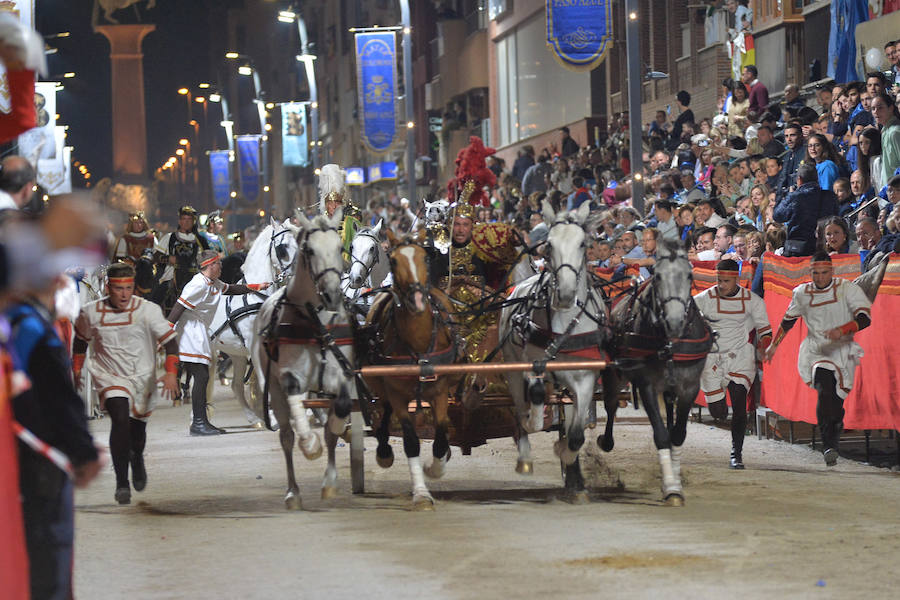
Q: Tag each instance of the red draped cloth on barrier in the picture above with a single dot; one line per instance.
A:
(874, 402)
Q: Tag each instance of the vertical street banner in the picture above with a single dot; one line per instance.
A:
(40, 142)
(376, 77)
(220, 172)
(579, 32)
(23, 10)
(294, 144)
(248, 164)
(55, 174)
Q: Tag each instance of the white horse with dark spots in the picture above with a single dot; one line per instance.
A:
(555, 315)
(287, 350)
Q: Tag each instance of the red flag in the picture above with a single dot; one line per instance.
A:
(23, 115)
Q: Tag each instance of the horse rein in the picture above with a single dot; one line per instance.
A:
(282, 273)
(306, 252)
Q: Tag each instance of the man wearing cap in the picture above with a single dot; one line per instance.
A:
(180, 250)
(833, 309)
(735, 313)
(123, 331)
(691, 190)
(193, 314)
(135, 240)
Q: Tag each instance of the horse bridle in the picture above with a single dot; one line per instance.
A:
(408, 297)
(353, 260)
(306, 252)
(657, 304)
(556, 270)
(283, 264)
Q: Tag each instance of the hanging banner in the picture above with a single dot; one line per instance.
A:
(40, 142)
(579, 32)
(376, 76)
(355, 175)
(294, 144)
(55, 174)
(220, 172)
(248, 163)
(24, 11)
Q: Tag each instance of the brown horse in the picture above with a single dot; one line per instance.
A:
(411, 324)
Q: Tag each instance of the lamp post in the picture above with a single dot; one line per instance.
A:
(632, 33)
(247, 69)
(408, 92)
(287, 16)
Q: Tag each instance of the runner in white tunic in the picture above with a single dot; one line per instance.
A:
(123, 332)
(735, 313)
(193, 313)
(833, 309)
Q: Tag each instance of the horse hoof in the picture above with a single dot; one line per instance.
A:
(605, 444)
(346, 436)
(423, 503)
(385, 461)
(311, 449)
(257, 425)
(293, 503)
(524, 467)
(579, 497)
(674, 500)
(329, 492)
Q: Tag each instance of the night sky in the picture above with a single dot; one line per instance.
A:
(175, 55)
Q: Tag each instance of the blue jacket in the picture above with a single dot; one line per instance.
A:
(801, 210)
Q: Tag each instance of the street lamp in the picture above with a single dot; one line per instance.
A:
(289, 16)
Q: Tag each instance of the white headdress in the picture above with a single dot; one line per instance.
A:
(331, 185)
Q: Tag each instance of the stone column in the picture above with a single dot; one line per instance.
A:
(129, 120)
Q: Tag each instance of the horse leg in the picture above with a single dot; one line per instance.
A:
(309, 442)
(536, 393)
(339, 416)
(611, 384)
(440, 450)
(286, 437)
(669, 399)
(329, 483)
(574, 440)
(422, 499)
(671, 485)
(384, 454)
(679, 432)
(239, 367)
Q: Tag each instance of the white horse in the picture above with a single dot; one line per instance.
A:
(287, 352)
(558, 314)
(369, 265)
(268, 260)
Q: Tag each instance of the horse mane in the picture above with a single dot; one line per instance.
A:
(259, 252)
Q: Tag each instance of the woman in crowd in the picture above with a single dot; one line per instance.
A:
(755, 246)
(833, 236)
(868, 159)
(737, 112)
(821, 153)
(759, 199)
(884, 109)
(775, 236)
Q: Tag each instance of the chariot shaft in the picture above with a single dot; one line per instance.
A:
(426, 370)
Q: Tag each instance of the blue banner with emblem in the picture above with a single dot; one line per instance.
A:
(248, 164)
(376, 76)
(220, 171)
(579, 32)
(294, 145)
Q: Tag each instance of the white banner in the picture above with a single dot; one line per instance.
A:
(55, 176)
(41, 142)
(24, 10)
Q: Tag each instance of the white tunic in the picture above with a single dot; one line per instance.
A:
(200, 297)
(733, 318)
(825, 309)
(123, 350)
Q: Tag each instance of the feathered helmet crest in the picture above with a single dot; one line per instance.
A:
(471, 167)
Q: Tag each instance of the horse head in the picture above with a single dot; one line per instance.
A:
(565, 252)
(672, 275)
(409, 265)
(364, 253)
(319, 247)
(437, 211)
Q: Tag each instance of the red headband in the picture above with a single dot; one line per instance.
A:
(208, 262)
(121, 280)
